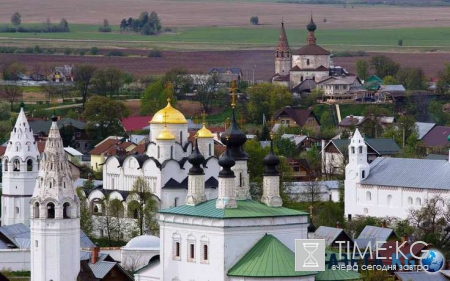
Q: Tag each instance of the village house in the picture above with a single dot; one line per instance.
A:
(112, 145)
(338, 88)
(226, 74)
(62, 74)
(297, 117)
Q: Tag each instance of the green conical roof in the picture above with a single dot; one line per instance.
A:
(268, 258)
(337, 275)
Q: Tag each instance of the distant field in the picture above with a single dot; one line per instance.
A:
(227, 13)
(255, 38)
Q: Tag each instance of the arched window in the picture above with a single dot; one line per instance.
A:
(181, 137)
(6, 165)
(135, 213)
(16, 165)
(29, 165)
(240, 179)
(366, 211)
(307, 62)
(360, 149)
(36, 210)
(363, 174)
(282, 54)
(171, 152)
(287, 54)
(50, 210)
(158, 152)
(210, 150)
(175, 201)
(418, 201)
(66, 210)
(64, 184)
(17, 210)
(177, 249)
(278, 54)
(301, 78)
(389, 199)
(353, 150)
(96, 209)
(410, 201)
(205, 253)
(368, 196)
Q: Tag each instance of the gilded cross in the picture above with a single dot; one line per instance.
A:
(204, 117)
(233, 94)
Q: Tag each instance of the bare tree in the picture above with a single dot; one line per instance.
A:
(311, 192)
(53, 91)
(146, 206)
(206, 90)
(83, 78)
(132, 263)
(11, 93)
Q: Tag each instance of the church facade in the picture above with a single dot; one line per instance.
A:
(309, 63)
(391, 186)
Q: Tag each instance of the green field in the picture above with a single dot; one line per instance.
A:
(255, 37)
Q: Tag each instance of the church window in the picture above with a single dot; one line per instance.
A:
(135, 213)
(418, 201)
(16, 165)
(176, 246)
(64, 184)
(240, 179)
(307, 62)
(191, 251)
(36, 244)
(29, 148)
(410, 201)
(389, 199)
(363, 174)
(171, 152)
(96, 209)
(36, 210)
(181, 137)
(66, 210)
(175, 201)
(6, 165)
(158, 152)
(50, 184)
(360, 149)
(366, 211)
(205, 253)
(278, 54)
(287, 54)
(368, 196)
(29, 165)
(50, 211)
(301, 78)
(177, 249)
(17, 210)
(282, 54)
(210, 149)
(353, 150)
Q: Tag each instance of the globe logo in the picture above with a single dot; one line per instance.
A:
(434, 260)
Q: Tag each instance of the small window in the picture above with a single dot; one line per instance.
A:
(366, 211)
(36, 210)
(363, 174)
(410, 201)
(210, 149)
(16, 165)
(177, 249)
(368, 196)
(158, 152)
(175, 201)
(353, 150)
(50, 211)
(307, 62)
(36, 244)
(29, 165)
(6, 165)
(389, 199)
(360, 149)
(418, 201)
(205, 252)
(191, 251)
(17, 210)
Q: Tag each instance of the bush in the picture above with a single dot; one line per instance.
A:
(67, 51)
(93, 51)
(81, 52)
(400, 42)
(254, 20)
(29, 50)
(115, 53)
(7, 50)
(37, 49)
(104, 29)
(7, 29)
(155, 54)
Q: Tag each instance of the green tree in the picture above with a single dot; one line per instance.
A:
(103, 117)
(84, 74)
(326, 121)
(286, 147)
(206, 91)
(443, 84)
(328, 213)
(13, 70)
(384, 66)
(117, 210)
(266, 98)
(64, 25)
(254, 20)
(55, 91)
(107, 81)
(16, 19)
(314, 159)
(371, 127)
(93, 51)
(11, 93)
(146, 206)
(5, 121)
(412, 78)
(389, 80)
(154, 98)
(357, 224)
(437, 114)
(86, 223)
(362, 69)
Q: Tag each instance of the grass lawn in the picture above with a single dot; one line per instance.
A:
(261, 36)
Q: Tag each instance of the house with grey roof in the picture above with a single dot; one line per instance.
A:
(332, 235)
(100, 266)
(338, 88)
(372, 234)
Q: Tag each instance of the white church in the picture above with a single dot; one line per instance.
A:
(391, 186)
(163, 165)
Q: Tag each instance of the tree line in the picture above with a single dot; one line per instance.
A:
(146, 24)
(46, 27)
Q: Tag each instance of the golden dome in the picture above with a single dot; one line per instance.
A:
(165, 135)
(204, 133)
(168, 115)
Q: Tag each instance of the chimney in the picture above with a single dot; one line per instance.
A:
(338, 224)
(383, 224)
(94, 254)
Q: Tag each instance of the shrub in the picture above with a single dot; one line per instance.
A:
(104, 29)
(67, 51)
(81, 52)
(115, 53)
(254, 20)
(7, 50)
(93, 51)
(154, 54)
(400, 42)
(29, 50)
(37, 49)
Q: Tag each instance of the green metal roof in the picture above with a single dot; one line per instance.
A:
(336, 275)
(245, 209)
(268, 258)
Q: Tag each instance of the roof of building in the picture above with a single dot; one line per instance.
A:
(339, 80)
(299, 186)
(331, 274)
(392, 88)
(420, 276)
(374, 78)
(437, 137)
(168, 115)
(138, 138)
(351, 121)
(267, 258)
(72, 151)
(405, 172)
(44, 126)
(103, 266)
(139, 149)
(300, 115)
(109, 147)
(18, 236)
(135, 123)
(305, 86)
(281, 78)
(379, 233)
(80, 182)
(309, 49)
(423, 128)
(245, 209)
(297, 139)
(330, 234)
(381, 146)
(436, 157)
(143, 242)
(234, 70)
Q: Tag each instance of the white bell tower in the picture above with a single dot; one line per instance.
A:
(55, 222)
(356, 170)
(20, 170)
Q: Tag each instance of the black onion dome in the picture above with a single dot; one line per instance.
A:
(311, 25)
(196, 159)
(271, 162)
(235, 139)
(54, 118)
(311, 227)
(226, 162)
